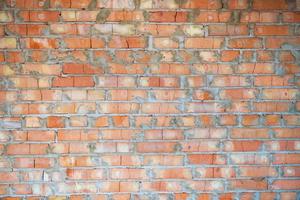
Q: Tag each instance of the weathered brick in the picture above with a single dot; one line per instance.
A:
(6, 16)
(8, 43)
(204, 43)
(149, 99)
(245, 43)
(207, 4)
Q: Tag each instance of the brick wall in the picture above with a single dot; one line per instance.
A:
(150, 99)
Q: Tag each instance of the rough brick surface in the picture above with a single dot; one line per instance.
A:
(150, 99)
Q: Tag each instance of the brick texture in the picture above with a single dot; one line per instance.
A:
(150, 99)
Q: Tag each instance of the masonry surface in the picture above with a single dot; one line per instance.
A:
(149, 99)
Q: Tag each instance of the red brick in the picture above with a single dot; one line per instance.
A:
(43, 16)
(29, 4)
(20, 29)
(36, 29)
(291, 17)
(125, 15)
(168, 16)
(43, 163)
(127, 42)
(242, 146)
(271, 30)
(15, 149)
(270, 5)
(41, 135)
(8, 176)
(60, 3)
(63, 82)
(238, 4)
(278, 42)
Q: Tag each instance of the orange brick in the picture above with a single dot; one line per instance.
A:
(18, 149)
(121, 121)
(272, 120)
(101, 122)
(55, 122)
(250, 120)
(78, 43)
(40, 43)
(97, 43)
(83, 81)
